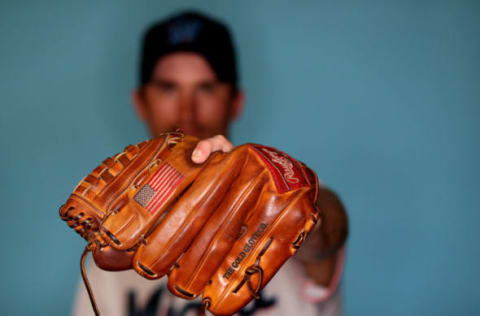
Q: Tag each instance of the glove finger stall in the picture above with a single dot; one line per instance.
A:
(275, 229)
(208, 250)
(173, 235)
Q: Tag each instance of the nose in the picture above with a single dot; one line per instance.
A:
(187, 108)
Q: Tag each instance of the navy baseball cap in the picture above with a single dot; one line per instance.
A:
(190, 32)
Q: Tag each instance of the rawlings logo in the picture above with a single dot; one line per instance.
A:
(285, 163)
(286, 172)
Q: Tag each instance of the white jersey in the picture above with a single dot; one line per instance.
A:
(289, 292)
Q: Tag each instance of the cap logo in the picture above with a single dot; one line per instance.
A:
(183, 32)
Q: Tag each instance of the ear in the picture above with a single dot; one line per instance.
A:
(139, 104)
(237, 105)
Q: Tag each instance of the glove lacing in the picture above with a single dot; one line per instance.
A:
(82, 223)
(88, 248)
(251, 270)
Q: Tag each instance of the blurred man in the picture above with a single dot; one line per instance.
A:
(188, 79)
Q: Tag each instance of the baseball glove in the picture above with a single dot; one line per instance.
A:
(221, 229)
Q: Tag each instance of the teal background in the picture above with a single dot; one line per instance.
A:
(380, 97)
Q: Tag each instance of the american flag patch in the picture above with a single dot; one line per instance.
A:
(156, 191)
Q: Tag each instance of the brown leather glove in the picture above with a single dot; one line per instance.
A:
(221, 229)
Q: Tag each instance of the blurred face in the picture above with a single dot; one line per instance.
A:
(185, 92)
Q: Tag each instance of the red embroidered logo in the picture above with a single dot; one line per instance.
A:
(288, 173)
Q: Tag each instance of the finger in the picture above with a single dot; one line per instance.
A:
(223, 144)
(205, 147)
